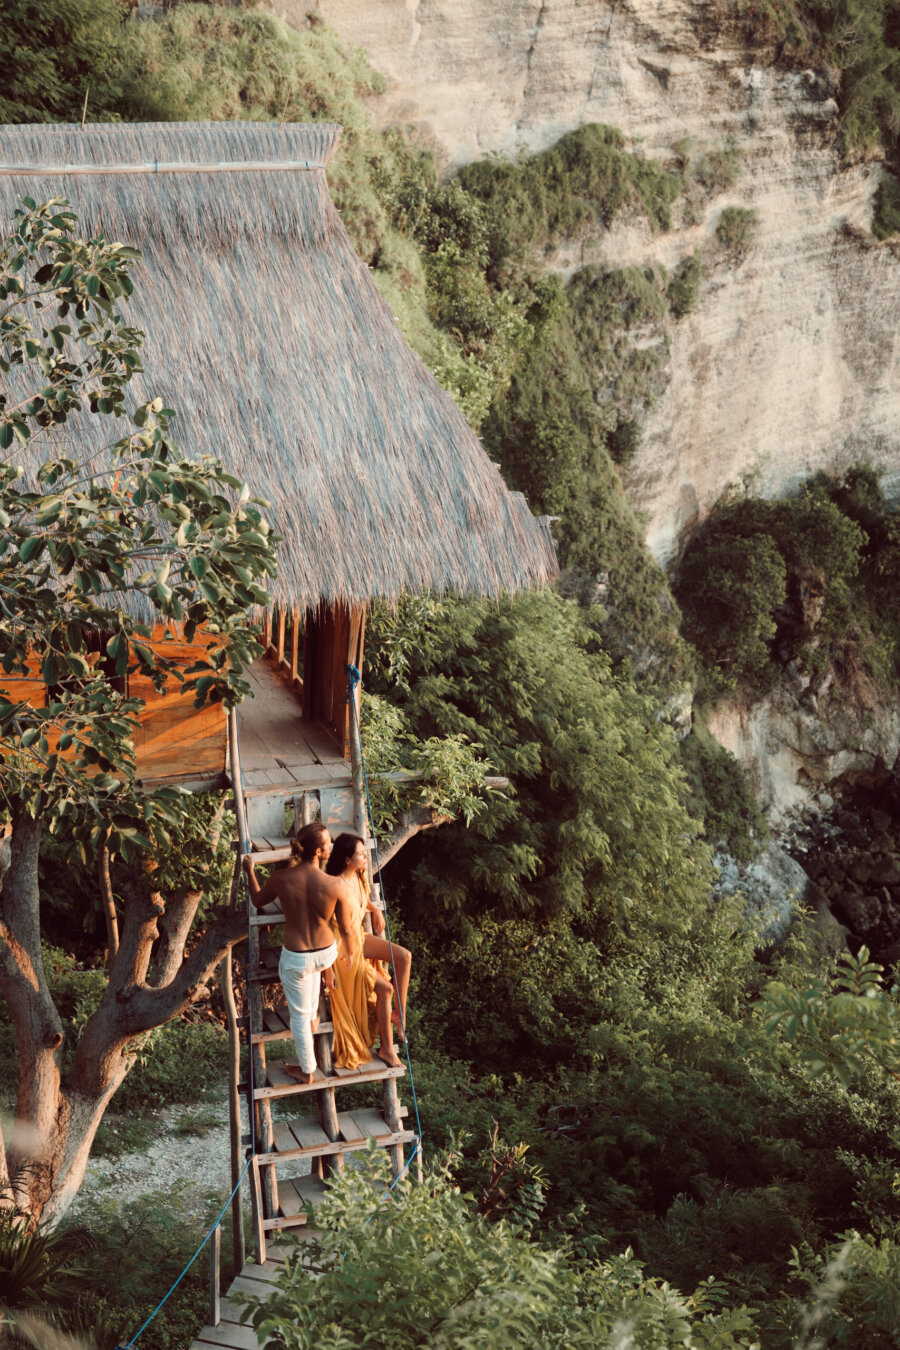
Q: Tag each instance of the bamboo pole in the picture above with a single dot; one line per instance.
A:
(234, 1107)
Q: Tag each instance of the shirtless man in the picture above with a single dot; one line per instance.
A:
(309, 899)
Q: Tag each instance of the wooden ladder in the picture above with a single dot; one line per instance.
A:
(280, 1193)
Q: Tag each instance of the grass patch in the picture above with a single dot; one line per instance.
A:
(195, 1124)
(117, 1135)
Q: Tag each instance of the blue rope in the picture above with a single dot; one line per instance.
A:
(354, 678)
(162, 1301)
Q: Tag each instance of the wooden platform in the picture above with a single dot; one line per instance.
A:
(278, 748)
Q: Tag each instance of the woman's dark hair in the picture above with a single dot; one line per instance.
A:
(342, 851)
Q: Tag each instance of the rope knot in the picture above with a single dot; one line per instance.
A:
(353, 679)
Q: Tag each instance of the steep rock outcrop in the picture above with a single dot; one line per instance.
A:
(791, 362)
(801, 753)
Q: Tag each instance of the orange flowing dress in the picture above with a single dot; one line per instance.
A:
(353, 1001)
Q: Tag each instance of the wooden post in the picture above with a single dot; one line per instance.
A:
(394, 1122)
(280, 647)
(234, 1107)
(265, 1137)
(215, 1261)
(267, 629)
(295, 641)
(259, 1233)
(326, 1105)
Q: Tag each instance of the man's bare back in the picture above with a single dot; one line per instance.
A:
(309, 899)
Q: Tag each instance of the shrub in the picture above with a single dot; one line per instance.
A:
(418, 1261)
(582, 181)
(886, 213)
(721, 795)
(764, 583)
(683, 290)
(736, 229)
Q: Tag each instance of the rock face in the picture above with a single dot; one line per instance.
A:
(800, 754)
(791, 362)
(852, 856)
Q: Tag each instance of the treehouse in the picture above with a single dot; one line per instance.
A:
(269, 337)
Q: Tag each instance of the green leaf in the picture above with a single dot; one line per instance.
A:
(30, 547)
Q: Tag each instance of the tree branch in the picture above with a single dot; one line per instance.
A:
(109, 905)
(174, 925)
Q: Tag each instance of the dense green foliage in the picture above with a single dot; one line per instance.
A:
(628, 1053)
(809, 580)
(418, 1266)
(54, 54)
(525, 680)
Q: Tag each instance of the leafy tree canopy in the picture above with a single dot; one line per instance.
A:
(102, 544)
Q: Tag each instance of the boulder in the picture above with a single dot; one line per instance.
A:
(862, 912)
(773, 885)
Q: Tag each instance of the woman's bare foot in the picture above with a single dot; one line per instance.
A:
(389, 1055)
(294, 1071)
(398, 1023)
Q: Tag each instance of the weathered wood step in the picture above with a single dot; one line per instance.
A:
(281, 1084)
(305, 1138)
(230, 1335)
(278, 1027)
(295, 1193)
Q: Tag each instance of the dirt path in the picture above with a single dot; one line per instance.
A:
(194, 1165)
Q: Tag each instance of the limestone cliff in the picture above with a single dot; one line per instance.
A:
(791, 361)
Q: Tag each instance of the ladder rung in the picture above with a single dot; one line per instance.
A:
(332, 1148)
(262, 1037)
(281, 1084)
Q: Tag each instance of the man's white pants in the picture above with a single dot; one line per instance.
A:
(301, 975)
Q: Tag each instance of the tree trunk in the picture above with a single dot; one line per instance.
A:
(56, 1119)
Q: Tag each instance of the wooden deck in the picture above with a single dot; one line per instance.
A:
(277, 745)
(284, 757)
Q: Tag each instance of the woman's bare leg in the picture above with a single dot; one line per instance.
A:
(384, 994)
(379, 949)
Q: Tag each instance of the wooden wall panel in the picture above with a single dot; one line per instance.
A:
(174, 739)
(28, 688)
(332, 638)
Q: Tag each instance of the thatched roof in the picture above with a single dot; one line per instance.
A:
(270, 338)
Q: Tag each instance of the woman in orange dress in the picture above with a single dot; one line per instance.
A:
(361, 996)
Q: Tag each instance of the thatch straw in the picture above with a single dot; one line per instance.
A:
(269, 336)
